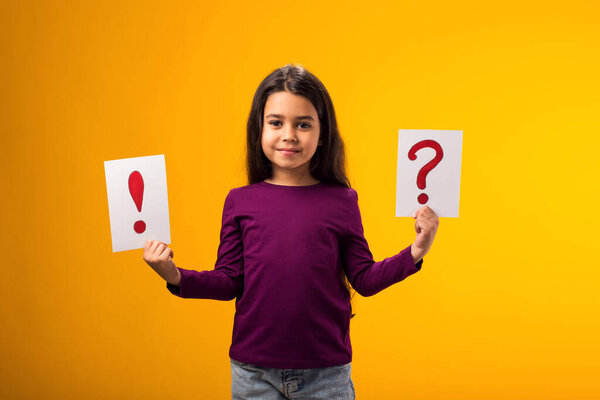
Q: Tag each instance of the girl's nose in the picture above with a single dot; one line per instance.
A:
(289, 133)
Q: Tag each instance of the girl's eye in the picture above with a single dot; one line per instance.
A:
(306, 126)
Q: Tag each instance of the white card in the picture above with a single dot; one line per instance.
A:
(137, 201)
(417, 184)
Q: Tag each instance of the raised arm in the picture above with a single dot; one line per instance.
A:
(366, 276)
(226, 280)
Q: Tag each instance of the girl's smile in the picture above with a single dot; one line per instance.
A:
(289, 152)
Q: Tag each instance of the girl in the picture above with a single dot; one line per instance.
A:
(290, 242)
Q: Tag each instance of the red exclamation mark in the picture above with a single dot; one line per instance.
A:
(136, 188)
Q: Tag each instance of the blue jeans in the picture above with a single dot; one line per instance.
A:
(251, 382)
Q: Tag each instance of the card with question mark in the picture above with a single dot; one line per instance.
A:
(428, 171)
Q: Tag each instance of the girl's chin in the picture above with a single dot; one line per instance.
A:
(289, 166)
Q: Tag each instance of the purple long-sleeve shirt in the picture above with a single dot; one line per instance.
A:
(281, 256)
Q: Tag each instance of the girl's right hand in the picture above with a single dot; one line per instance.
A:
(426, 226)
(160, 257)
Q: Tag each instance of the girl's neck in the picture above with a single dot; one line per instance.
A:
(284, 180)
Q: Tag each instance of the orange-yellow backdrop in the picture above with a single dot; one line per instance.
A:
(506, 305)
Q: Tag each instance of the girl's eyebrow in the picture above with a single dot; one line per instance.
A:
(282, 117)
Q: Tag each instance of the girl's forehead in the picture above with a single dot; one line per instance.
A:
(288, 104)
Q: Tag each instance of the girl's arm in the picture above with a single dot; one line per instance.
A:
(226, 280)
(367, 276)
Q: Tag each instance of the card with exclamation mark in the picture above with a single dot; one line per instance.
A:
(138, 203)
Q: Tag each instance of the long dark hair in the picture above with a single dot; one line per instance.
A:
(328, 163)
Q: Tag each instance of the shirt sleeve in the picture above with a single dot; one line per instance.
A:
(366, 276)
(226, 280)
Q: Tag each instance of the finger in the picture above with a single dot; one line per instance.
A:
(149, 248)
(431, 218)
(421, 210)
(418, 226)
(431, 212)
(429, 230)
(167, 246)
(424, 216)
(425, 226)
(154, 247)
(166, 251)
(429, 215)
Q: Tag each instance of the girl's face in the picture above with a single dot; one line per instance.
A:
(290, 122)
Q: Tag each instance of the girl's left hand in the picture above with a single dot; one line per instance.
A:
(426, 226)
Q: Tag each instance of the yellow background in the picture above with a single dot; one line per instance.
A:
(506, 305)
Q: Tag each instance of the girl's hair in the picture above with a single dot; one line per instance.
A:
(328, 163)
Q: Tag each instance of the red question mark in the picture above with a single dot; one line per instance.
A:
(412, 155)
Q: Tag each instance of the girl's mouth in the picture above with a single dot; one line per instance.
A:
(287, 152)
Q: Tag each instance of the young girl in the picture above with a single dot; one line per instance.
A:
(289, 241)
